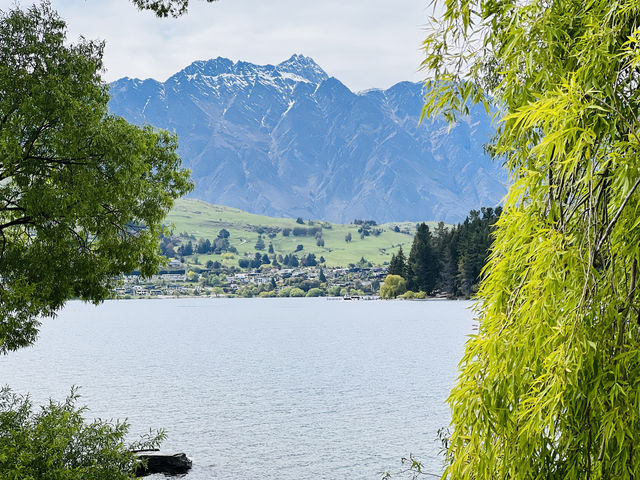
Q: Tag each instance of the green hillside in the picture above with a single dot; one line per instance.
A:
(201, 220)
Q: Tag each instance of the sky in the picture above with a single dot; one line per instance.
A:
(364, 43)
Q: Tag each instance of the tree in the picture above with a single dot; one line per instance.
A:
(221, 244)
(548, 385)
(259, 243)
(55, 441)
(257, 261)
(82, 193)
(393, 286)
(322, 277)
(347, 237)
(310, 260)
(187, 249)
(397, 265)
(204, 246)
(422, 269)
(165, 8)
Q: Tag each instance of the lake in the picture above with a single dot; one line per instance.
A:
(291, 388)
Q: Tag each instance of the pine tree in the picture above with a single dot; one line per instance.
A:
(398, 264)
(187, 249)
(322, 277)
(423, 270)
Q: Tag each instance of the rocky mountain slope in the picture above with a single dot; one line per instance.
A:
(288, 140)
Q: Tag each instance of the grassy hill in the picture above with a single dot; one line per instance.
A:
(203, 220)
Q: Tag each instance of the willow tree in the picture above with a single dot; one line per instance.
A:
(550, 385)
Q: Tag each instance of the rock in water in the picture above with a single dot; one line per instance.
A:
(159, 462)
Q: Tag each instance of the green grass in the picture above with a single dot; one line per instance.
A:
(204, 220)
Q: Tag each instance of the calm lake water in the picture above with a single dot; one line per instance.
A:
(292, 389)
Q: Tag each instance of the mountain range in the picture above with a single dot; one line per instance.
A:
(288, 140)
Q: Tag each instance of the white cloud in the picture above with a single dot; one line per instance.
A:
(364, 43)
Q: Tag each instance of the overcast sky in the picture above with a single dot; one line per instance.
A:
(364, 43)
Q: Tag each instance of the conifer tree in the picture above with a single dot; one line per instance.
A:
(422, 265)
(398, 264)
(322, 276)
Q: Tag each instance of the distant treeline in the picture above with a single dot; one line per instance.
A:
(172, 246)
(447, 260)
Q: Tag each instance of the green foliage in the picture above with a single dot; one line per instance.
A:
(190, 215)
(56, 442)
(411, 295)
(165, 8)
(82, 193)
(192, 276)
(322, 277)
(393, 286)
(310, 260)
(315, 292)
(334, 291)
(422, 267)
(398, 264)
(548, 387)
(463, 251)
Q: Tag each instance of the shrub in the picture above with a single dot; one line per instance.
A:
(393, 286)
(411, 295)
(55, 442)
(284, 292)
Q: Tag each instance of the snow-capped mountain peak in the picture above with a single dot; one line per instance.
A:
(289, 140)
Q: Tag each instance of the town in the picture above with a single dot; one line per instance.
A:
(179, 279)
